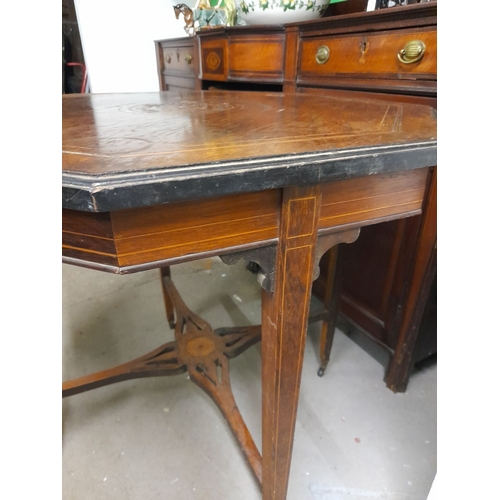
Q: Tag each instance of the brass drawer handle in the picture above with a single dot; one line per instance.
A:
(188, 58)
(322, 54)
(168, 58)
(412, 52)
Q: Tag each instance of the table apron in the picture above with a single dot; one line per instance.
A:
(132, 240)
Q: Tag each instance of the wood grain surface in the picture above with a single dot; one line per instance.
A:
(284, 327)
(108, 133)
(129, 150)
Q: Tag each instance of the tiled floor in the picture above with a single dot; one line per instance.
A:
(163, 438)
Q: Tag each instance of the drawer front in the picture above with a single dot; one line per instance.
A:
(179, 82)
(370, 56)
(214, 59)
(178, 60)
(257, 58)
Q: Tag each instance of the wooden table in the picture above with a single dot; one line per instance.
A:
(153, 179)
(389, 293)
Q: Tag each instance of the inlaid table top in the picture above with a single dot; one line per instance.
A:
(142, 149)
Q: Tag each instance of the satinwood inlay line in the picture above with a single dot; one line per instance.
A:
(419, 191)
(213, 225)
(303, 334)
(411, 203)
(88, 235)
(88, 250)
(233, 145)
(205, 240)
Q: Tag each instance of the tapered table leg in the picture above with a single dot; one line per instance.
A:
(284, 325)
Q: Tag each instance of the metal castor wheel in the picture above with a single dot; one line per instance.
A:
(321, 371)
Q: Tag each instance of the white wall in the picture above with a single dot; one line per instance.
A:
(117, 39)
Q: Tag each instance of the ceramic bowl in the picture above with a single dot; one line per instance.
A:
(254, 12)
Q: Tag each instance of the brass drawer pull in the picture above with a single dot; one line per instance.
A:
(188, 58)
(412, 52)
(168, 58)
(322, 54)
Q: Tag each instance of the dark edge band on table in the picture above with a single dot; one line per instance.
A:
(122, 190)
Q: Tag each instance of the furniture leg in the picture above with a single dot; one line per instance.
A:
(169, 306)
(331, 303)
(206, 355)
(201, 351)
(327, 245)
(284, 326)
(162, 361)
(425, 265)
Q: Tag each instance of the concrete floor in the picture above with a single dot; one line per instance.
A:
(163, 438)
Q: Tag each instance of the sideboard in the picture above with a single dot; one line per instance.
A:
(387, 278)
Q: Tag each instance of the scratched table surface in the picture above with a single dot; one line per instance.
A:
(141, 149)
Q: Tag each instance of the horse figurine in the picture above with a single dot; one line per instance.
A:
(182, 8)
(189, 28)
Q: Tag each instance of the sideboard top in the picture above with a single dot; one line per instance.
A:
(422, 14)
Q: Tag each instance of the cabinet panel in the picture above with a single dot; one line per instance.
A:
(374, 268)
(214, 59)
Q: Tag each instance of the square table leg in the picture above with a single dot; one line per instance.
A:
(284, 326)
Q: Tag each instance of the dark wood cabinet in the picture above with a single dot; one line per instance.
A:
(392, 51)
(389, 274)
(388, 289)
(389, 277)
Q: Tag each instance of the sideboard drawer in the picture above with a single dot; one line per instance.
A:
(235, 54)
(179, 60)
(179, 82)
(257, 58)
(367, 55)
(177, 63)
